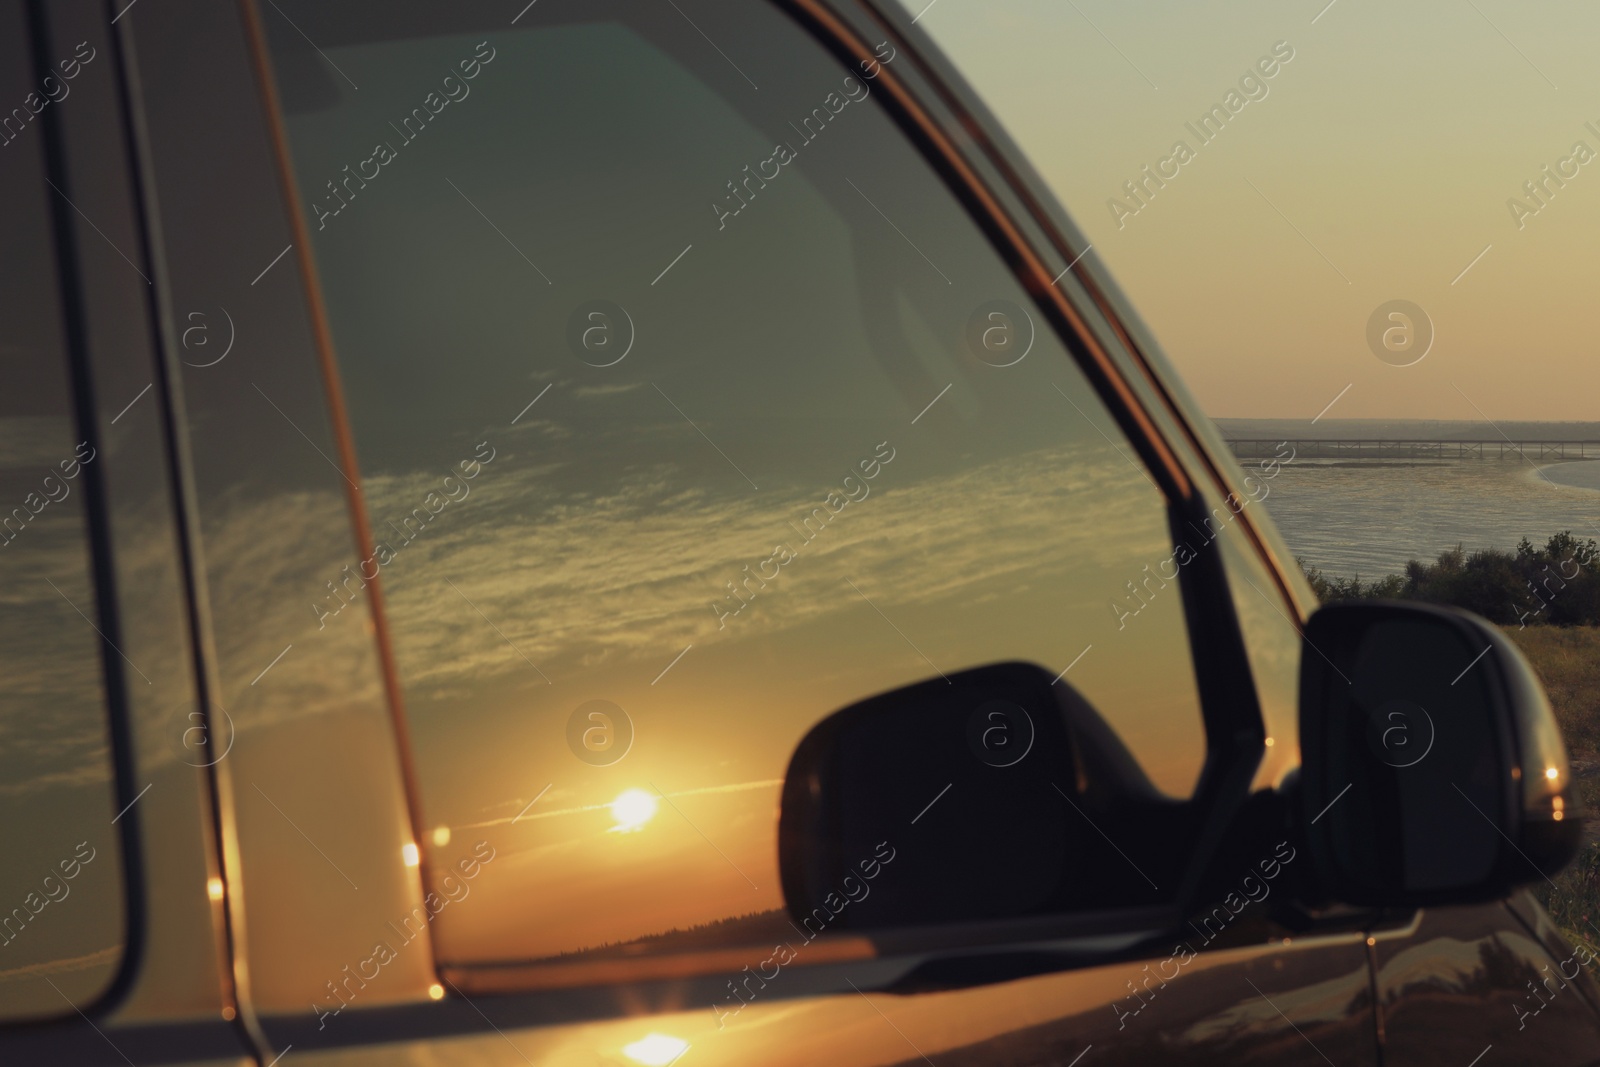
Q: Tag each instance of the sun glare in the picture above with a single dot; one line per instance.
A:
(655, 1050)
(633, 809)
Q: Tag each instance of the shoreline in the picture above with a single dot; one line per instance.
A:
(1369, 518)
(1590, 481)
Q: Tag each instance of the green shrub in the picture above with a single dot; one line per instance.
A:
(1558, 583)
(1574, 901)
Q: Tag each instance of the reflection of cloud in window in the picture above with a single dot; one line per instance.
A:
(52, 706)
(634, 569)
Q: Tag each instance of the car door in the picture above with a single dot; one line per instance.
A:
(613, 393)
(1495, 982)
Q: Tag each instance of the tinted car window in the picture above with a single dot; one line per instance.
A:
(690, 407)
(61, 903)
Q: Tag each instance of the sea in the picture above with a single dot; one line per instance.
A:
(1367, 518)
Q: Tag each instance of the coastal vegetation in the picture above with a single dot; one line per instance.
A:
(1558, 583)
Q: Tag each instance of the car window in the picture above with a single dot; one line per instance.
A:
(61, 894)
(690, 408)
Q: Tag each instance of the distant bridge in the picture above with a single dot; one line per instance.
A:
(1411, 448)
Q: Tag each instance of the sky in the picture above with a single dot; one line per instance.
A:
(1377, 167)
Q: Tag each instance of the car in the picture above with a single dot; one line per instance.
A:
(632, 534)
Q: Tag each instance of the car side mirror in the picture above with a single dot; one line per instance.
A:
(990, 795)
(1433, 771)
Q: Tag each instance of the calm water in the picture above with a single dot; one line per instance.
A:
(1369, 519)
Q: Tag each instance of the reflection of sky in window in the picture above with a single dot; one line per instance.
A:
(55, 768)
(55, 759)
(779, 352)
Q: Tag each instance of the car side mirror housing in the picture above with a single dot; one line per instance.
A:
(989, 795)
(1433, 771)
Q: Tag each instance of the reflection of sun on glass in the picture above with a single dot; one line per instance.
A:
(655, 1050)
(632, 810)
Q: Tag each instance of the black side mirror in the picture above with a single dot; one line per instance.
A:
(1433, 771)
(993, 794)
